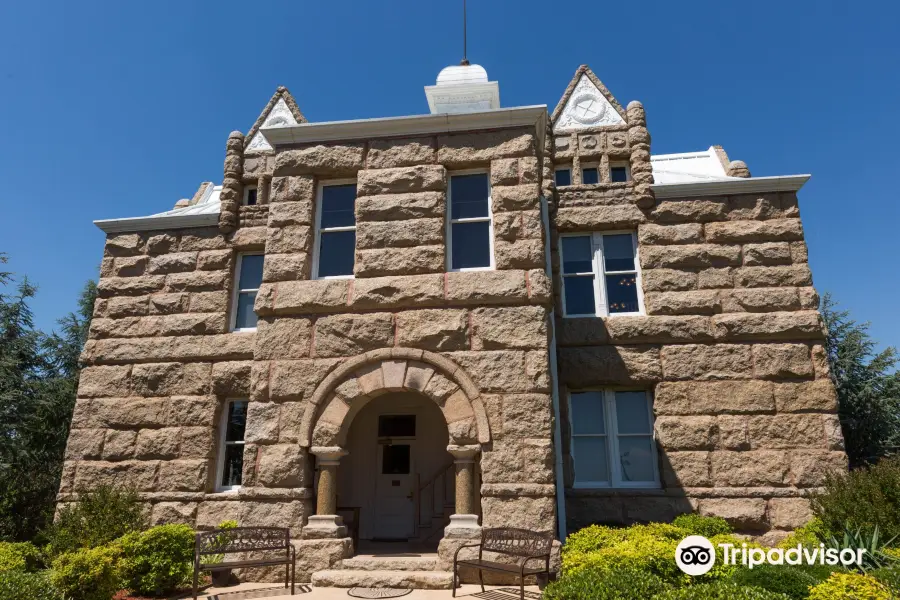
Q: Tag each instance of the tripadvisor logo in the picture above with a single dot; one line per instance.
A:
(695, 555)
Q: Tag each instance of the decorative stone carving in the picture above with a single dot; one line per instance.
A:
(587, 107)
(279, 116)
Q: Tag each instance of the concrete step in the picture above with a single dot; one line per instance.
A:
(411, 580)
(390, 563)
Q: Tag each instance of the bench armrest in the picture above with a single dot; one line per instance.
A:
(456, 554)
(545, 556)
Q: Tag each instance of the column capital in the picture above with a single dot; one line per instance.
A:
(463, 453)
(328, 455)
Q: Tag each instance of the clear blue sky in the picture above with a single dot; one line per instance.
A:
(119, 109)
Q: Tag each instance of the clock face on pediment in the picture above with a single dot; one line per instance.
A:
(586, 107)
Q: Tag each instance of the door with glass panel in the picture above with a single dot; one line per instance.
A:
(394, 480)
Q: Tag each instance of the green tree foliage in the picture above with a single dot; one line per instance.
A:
(868, 387)
(38, 381)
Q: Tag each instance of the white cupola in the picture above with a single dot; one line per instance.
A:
(462, 88)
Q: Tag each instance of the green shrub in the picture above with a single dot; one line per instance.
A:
(605, 584)
(708, 527)
(99, 517)
(220, 539)
(874, 556)
(861, 499)
(850, 586)
(157, 561)
(808, 536)
(889, 576)
(16, 585)
(88, 574)
(20, 556)
(789, 580)
(719, 590)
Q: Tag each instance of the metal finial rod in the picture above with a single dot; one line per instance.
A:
(465, 60)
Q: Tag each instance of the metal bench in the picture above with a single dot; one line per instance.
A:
(510, 541)
(220, 542)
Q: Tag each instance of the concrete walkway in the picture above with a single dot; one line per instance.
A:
(251, 591)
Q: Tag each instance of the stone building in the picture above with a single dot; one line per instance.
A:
(411, 327)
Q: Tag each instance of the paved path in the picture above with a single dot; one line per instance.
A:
(269, 591)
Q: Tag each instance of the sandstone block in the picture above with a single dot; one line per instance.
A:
(690, 255)
(698, 302)
(535, 514)
(598, 365)
(749, 469)
(285, 214)
(139, 474)
(760, 300)
(282, 337)
(98, 382)
(209, 302)
(808, 468)
(128, 306)
(296, 380)
(130, 266)
(774, 325)
(129, 286)
(177, 262)
(690, 210)
(197, 442)
(296, 189)
(399, 261)
(668, 280)
(182, 475)
(124, 244)
(475, 149)
(741, 513)
(818, 395)
(412, 232)
(205, 347)
(713, 397)
(164, 379)
(787, 431)
(658, 330)
(164, 513)
(518, 225)
(262, 422)
(196, 411)
(286, 267)
(522, 254)
(213, 260)
(504, 171)
(515, 197)
(792, 276)
(754, 206)
(351, 334)
(197, 281)
(391, 207)
(782, 361)
(322, 159)
(167, 304)
(85, 444)
(119, 444)
(418, 178)
(282, 465)
(248, 237)
(799, 252)
(704, 362)
(486, 287)
(773, 230)
(522, 327)
(686, 469)
(288, 239)
(183, 324)
(770, 253)
(586, 331)
(441, 330)
(301, 297)
(212, 512)
(231, 378)
(494, 371)
(715, 278)
(689, 233)
(390, 292)
(599, 217)
(526, 415)
(158, 443)
(162, 243)
(734, 432)
(686, 433)
(406, 152)
(789, 513)
(202, 239)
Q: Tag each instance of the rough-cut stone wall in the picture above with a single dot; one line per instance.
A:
(731, 347)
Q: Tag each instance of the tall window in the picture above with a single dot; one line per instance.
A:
(471, 236)
(600, 275)
(231, 445)
(249, 277)
(336, 230)
(612, 439)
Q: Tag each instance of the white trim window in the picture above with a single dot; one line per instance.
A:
(619, 172)
(600, 274)
(231, 446)
(563, 176)
(470, 235)
(612, 439)
(250, 195)
(335, 249)
(590, 173)
(248, 278)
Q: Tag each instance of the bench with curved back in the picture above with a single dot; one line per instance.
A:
(525, 544)
(218, 543)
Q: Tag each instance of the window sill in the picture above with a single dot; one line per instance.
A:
(328, 277)
(612, 316)
(471, 269)
(606, 490)
(228, 490)
(243, 330)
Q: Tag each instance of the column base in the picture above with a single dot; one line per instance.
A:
(463, 526)
(324, 527)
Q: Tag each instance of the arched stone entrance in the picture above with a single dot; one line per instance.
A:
(350, 387)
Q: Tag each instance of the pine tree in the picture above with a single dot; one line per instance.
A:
(868, 387)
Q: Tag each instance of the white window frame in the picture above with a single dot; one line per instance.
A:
(563, 168)
(448, 229)
(612, 443)
(601, 305)
(246, 198)
(318, 232)
(590, 166)
(237, 290)
(220, 448)
(619, 164)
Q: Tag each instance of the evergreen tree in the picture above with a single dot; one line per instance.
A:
(868, 387)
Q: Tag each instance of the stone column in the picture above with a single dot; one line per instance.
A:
(325, 523)
(231, 183)
(263, 184)
(464, 459)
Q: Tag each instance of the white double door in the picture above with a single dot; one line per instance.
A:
(394, 490)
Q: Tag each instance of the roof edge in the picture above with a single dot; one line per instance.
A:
(779, 183)
(155, 223)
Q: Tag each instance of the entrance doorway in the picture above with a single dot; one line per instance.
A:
(394, 481)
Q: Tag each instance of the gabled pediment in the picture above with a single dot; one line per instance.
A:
(282, 110)
(586, 103)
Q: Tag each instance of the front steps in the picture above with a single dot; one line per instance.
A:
(390, 563)
(412, 580)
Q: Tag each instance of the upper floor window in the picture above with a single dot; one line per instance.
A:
(250, 192)
(563, 176)
(248, 275)
(230, 464)
(590, 174)
(600, 275)
(471, 239)
(612, 439)
(335, 230)
(619, 172)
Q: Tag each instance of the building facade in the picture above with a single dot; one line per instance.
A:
(412, 327)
